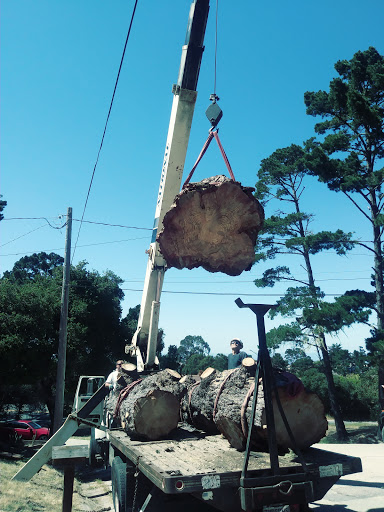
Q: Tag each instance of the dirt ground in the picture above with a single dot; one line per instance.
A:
(94, 490)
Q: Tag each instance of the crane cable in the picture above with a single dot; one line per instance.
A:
(215, 71)
(105, 126)
(215, 111)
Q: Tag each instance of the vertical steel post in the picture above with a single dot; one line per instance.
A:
(267, 376)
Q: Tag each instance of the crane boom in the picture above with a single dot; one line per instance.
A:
(144, 341)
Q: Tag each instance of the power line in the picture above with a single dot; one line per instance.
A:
(106, 124)
(113, 225)
(229, 293)
(79, 220)
(21, 236)
(38, 218)
(86, 245)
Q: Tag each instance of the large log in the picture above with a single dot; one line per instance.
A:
(212, 224)
(223, 401)
(148, 408)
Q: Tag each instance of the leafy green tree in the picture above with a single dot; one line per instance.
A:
(220, 362)
(171, 359)
(29, 323)
(29, 267)
(315, 381)
(192, 345)
(281, 177)
(3, 204)
(301, 365)
(341, 359)
(278, 361)
(30, 317)
(360, 361)
(349, 158)
(293, 354)
(197, 363)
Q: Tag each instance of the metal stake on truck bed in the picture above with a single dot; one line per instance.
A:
(264, 366)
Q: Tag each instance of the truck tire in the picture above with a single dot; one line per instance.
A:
(119, 484)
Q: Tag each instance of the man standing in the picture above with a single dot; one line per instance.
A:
(236, 356)
(112, 377)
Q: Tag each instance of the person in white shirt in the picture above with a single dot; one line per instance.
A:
(112, 377)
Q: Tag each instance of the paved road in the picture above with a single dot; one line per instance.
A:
(360, 492)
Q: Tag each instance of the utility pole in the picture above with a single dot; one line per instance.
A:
(61, 359)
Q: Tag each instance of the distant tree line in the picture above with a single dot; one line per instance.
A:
(192, 356)
(354, 377)
(30, 297)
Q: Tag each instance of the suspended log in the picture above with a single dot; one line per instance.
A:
(223, 401)
(212, 224)
(148, 408)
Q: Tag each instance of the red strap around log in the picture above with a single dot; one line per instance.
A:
(123, 395)
(216, 135)
(202, 152)
(244, 425)
(189, 401)
(219, 392)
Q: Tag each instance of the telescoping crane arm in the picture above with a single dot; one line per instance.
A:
(144, 341)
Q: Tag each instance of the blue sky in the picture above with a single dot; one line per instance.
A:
(58, 69)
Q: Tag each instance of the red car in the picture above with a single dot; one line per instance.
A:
(27, 429)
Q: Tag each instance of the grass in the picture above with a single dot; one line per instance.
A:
(42, 493)
(359, 432)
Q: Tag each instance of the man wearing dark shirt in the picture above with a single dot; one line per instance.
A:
(236, 357)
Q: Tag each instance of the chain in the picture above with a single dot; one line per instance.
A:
(136, 476)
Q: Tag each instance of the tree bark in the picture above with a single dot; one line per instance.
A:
(223, 400)
(213, 224)
(341, 431)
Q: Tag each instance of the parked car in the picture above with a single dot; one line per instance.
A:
(27, 429)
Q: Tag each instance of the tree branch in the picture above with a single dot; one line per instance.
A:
(357, 206)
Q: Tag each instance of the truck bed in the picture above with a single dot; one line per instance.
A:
(193, 462)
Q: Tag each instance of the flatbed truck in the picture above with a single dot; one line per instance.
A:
(193, 469)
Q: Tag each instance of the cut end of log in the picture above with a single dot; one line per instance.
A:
(306, 418)
(207, 373)
(212, 224)
(190, 379)
(128, 367)
(248, 362)
(231, 430)
(156, 414)
(173, 373)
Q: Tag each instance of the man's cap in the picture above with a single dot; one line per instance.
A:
(238, 341)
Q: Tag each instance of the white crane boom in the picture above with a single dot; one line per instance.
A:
(144, 341)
